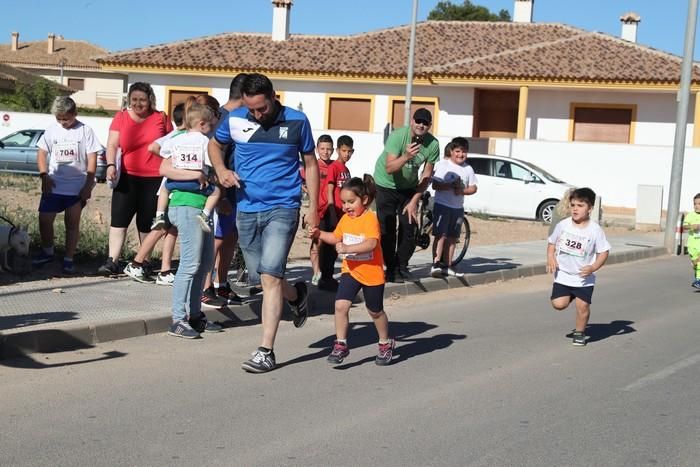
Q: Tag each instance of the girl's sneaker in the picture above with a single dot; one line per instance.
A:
(158, 222)
(579, 339)
(137, 273)
(339, 352)
(438, 270)
(204, 222)
(68, 267)
(385, 354)
(165, 279)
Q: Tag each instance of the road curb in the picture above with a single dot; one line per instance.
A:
(73, 337)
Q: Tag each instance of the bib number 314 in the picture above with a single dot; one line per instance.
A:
(188, 158)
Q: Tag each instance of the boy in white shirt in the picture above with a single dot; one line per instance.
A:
(67, 160)
(453, 179)
(576, 249)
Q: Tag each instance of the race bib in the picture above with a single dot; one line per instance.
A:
(188, 157)
(350, 239)
(66, 152)
(572, 244)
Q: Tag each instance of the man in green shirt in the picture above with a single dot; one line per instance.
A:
(399, 188)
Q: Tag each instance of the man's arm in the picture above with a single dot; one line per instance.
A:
(411, 209)
(394, 162)
(312, 185)
(227, 177)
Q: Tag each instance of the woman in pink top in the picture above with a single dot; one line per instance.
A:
(132, 130)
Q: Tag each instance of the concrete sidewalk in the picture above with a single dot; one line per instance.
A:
(73, 313)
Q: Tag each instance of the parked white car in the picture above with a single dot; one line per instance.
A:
(513, 188)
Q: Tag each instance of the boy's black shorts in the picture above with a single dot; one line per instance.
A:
(561, 290)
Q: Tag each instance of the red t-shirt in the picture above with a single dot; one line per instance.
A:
(337, 175)
(134, 139)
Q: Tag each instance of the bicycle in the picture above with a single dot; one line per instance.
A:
(424, 230)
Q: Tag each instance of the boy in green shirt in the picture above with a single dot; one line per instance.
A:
(691, 223)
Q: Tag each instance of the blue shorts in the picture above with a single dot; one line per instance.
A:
(447, 221)
(561, 290)
(53, 203)
(348, 287)
(224, 225)
(265, 239)
(191, 186)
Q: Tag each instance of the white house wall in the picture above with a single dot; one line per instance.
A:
(100, 89)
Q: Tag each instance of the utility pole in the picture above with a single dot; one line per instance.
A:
(674, 192)
(411, 53)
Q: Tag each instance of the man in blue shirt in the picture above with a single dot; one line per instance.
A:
(268, 138)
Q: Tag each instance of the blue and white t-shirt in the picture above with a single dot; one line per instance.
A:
(267, 158)
(577, 247)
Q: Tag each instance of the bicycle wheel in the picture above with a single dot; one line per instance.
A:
(424, 227)
(462, 243)
(240, 278)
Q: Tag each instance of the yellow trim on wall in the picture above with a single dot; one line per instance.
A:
(169, 89)
(560, 83)
(368, 97)
(696, 121)
(522, 111)
(592, 105)
(434, 100)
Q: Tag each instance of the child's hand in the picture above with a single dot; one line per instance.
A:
(586, 271)
(314, 232)
(552, 265)
(203, 180)
(341, 248)
(47, 184)
(457, 187)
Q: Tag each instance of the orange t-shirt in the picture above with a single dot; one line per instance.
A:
(365, 268)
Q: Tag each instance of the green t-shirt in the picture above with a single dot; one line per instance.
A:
(692, 218)
(407, 177)
(186, 198)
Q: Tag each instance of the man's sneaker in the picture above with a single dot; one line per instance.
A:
(68, 267)
(437, 270)
(158, 222)
(211, 300)
(696, 284)
(201, 324)
(165, 279)
(204, 222)
(339, 352)
(329, 285)
(183, 329)
(41, 258)
(137, 273)
(315, 278)
(452, 273)
(300, 307)
(393, 276)
(386, 352)
(110, 268)
(407, 275)
(255, 291)
(229, 295)
(260, 362)
(579, 339)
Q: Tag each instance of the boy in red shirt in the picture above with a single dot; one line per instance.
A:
(330, 209)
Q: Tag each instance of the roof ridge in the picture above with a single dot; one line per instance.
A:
(637, 45)
(506, 52)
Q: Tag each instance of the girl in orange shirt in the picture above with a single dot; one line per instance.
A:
(356, 239)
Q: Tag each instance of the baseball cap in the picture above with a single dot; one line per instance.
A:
(423, 114)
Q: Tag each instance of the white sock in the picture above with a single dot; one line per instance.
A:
(216, 284)
(206, 212)
(160, 213)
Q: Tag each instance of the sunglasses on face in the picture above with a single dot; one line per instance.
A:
(422, 122)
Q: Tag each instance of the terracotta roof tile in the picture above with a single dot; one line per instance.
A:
(443, 48)
(77, 54)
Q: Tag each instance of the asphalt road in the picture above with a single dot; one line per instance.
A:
(482, 377)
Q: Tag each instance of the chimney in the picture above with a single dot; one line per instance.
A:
(280, 19)
(52, 43)
(522, 12)
(15, 41)
(630, 21)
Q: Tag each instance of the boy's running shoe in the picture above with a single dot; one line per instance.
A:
(452, 273)
(165, 279)
(339, 352)
(68, 267)
(110, 268)
(231, 297)
(137, 273)
(300, 307)
(211, 300)
(579, 339)
(260, 362)
(41, 258)
(385, 354)
(696, 284)
(183, 329)
(201, 324)
(204, 222)
(437, 271)
(158, 222)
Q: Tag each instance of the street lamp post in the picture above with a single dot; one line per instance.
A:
(411, 53)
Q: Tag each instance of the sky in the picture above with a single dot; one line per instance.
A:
(126, 24)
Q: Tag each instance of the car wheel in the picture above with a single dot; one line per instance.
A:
(546, 211)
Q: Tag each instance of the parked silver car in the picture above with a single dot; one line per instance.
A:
(18, 154)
